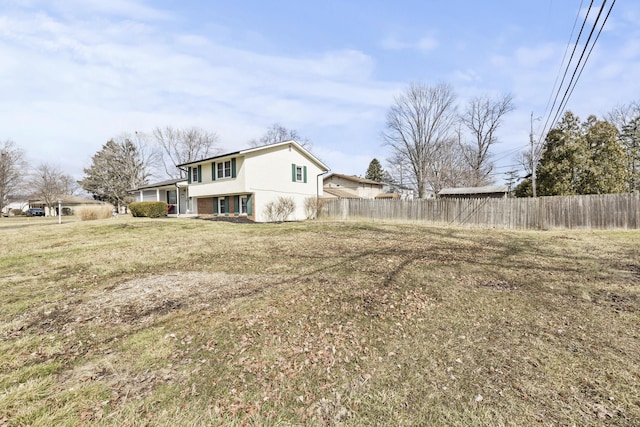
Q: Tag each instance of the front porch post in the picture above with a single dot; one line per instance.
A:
(177, 200)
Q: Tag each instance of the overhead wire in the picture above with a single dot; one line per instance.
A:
(579, 67)
(564, 57)
(592, 46)
(566, 67)
(574, 79)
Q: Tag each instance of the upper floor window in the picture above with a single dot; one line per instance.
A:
(298, 173)
(194, 174)
(224, 169)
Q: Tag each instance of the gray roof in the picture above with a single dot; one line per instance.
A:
(161, 184)
(476, 190)
(341, 193)
(353, 178)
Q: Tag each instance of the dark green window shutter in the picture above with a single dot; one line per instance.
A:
(236, 205)
(215, 206)
(233, 167)
(213, 171)
(293, 172)
(199, 173)
(189, 175)
(304, 171)
(250, 204)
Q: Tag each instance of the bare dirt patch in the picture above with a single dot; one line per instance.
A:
(143, 300)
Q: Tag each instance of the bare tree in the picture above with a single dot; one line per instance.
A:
(12, 166)
(449, 167)
(278, 133)
(622, 115)
(48, 183)
(184, 145)
(482, 117)
(626, 118)
(418, 126)
(148, 151)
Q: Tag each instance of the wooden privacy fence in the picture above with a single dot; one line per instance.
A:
(602, 211)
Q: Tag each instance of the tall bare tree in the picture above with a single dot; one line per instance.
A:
(626, 118)
(149, 152)
(622, 115)
(482, 118)
(450, 167)
(278, 133)
(12, 167)
(419, 126)
(48, 183)
(184, 145)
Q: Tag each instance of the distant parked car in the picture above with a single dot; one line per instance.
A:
(35, 212)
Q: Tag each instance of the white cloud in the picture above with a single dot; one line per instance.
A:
(427, 43)
(424, 44)
(82, 87)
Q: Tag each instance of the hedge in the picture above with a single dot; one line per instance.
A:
(148, 209)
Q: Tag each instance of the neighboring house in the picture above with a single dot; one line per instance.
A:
(244, 182)
(173, 191)
(68, 202)
(361, 187)
(489, 191)
(339, 193)
(402, 192)
(16, 203)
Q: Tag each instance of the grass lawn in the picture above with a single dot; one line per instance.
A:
(168, 322)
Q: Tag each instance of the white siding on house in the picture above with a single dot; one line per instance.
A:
(222, 186)
(263, 174)
(149, 196)
(270, 175)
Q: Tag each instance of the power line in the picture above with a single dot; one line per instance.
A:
(566, 70)
(594, 43)
(555, 83)
(565, 97)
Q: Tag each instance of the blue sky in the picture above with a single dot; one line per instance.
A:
(75, 73)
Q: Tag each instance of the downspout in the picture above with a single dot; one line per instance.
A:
(318, 192)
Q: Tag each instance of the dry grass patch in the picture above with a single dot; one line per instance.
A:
(186, 322)
(90, 213)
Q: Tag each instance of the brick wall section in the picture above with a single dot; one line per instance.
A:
(205, 206)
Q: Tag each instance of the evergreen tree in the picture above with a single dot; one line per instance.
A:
(524, 189)
(606, 170)
(582, 159)
(117, 168)
(375, 171)
(630, 138)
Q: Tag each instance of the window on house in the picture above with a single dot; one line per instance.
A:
(194, 174)
(172, 197)
(298, 173)
(222, 206)
(243, 204)
(224, 169)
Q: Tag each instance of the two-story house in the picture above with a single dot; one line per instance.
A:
(242, 183)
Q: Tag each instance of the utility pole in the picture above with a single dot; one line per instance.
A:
(534, 158)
